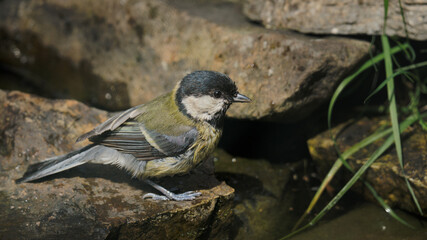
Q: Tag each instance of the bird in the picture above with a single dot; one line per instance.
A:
(169, 135)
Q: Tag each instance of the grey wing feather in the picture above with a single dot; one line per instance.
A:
(173, 145)
(147, 144)
(113, 122)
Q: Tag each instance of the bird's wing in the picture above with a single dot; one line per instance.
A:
(132, 137)
(113, 122)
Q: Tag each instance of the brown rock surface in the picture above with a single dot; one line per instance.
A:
(344, 17)
(122, 53)
(385, 174)
(91, 201)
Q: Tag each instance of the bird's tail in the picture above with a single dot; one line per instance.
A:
(59, 163)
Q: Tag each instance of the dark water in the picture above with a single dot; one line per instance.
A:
(270, 198)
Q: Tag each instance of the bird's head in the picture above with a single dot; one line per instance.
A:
(206, 96)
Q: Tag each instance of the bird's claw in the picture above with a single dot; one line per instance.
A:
(187, 196)
(190, 195)
(155, 197)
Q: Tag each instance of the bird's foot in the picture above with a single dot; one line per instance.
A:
(187, 196)
(168, 195)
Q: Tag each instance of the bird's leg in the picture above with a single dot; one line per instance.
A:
(168, 195)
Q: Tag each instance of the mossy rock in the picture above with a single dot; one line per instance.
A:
(385, 174)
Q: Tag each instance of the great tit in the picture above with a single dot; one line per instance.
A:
(169, 135)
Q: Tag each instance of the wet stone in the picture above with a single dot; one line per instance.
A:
(91, 201)
(385, 174)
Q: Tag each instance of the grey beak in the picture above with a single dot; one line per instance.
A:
(241, 98)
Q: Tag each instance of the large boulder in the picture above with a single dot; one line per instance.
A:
(345, 17)
(385, 174)
(122, 53)
(91, 201)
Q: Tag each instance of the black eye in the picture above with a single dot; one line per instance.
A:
(217, 94)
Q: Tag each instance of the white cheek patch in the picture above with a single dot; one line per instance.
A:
(204, 107)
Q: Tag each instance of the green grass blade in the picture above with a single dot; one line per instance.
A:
(396, 128)
(371, 54)
(337, 165)
(402, 13)
(385, 15)
(352, 181)
(379, 88)
(409, 52)
(386, 207)
(410, 67)
(389, 141)
(399, 71)
(326, 180)
(350, 78)
(393, 114)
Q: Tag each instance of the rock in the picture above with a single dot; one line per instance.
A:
(341, 17)
(122, 53)
(91, 201)
(385, 174)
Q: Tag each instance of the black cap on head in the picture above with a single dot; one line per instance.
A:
(206, 96)
(211, 83)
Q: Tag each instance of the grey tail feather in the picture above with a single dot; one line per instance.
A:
(56, 164)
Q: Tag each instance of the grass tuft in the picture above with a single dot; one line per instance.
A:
(391, 134)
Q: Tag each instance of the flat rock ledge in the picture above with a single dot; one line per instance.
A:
(345, 17)
(92, 201)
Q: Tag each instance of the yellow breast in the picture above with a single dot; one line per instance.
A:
(206, 142)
